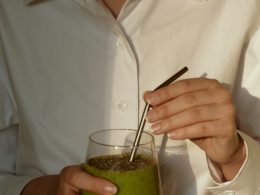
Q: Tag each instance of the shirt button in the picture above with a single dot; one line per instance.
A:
(120, 45)
(122, 105)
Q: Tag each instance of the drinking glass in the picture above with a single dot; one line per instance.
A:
(108, 156)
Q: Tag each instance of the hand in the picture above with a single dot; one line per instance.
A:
(201, 110)
(69, 182)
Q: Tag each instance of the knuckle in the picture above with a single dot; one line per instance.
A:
(231, 127)
(205, 130)
(213, 83)
(164, 110)
(186, 84)
(228, 128)
(222, 95)
(166, 93)
(145, 96)
(67, 174)
(165, 125)
(161, 95)
(184, 133)
(195, 114)
(189, 99)
(230, 110)
(226, 95)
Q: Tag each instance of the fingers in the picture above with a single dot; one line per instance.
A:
(198, 109)
(202, 104)
(186, 101)
(207, 129)
(73, 178)
(179, 88)
(200, 114)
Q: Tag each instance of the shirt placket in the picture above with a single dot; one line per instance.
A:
(124, 93)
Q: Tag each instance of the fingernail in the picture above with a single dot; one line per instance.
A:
(172, 134)
(148, 101)
(145, 94)
(156, 128)
(110, 189)
(150, 115)
(152, 99)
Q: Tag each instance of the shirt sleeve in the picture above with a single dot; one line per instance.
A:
(8, 109)
(8, 112)
(215, 169)
(240, 185)
(247, 99)
(10, 183)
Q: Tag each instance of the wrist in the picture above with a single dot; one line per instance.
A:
(231, 168)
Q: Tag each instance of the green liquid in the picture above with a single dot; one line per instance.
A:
(137, 178)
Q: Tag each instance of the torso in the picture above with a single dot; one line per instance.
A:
(86, 71)
(114, 6)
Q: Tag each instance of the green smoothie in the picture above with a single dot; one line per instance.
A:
(139, 177)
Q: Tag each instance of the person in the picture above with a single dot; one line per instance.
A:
(69, 68)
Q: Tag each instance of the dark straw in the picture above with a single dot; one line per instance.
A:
(147, 107)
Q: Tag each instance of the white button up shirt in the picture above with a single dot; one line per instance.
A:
(68, 68)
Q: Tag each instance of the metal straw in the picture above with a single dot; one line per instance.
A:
(147, 107)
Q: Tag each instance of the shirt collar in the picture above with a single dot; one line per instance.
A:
(31, 1)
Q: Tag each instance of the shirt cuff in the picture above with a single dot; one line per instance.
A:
(250, 169)
(215, 169)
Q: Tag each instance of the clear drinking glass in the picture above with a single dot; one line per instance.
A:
(108, 157)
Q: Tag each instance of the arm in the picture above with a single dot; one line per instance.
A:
(241, 156)
(247, 179)
(9, 183)
(201, 110)
(69, 182)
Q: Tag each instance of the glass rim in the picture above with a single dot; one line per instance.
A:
(121, 146)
